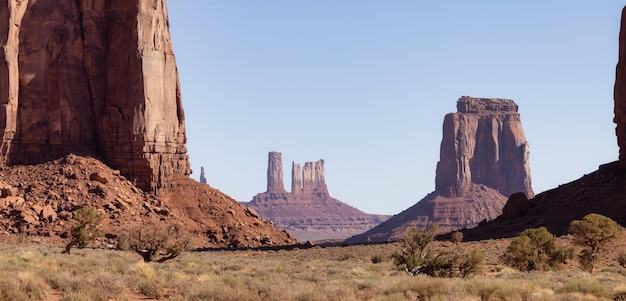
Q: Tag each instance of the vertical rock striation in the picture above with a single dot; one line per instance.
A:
(92, 77)
(275, 183)
(619, 93)
(484, 143)
(296, 178)
(313, 181)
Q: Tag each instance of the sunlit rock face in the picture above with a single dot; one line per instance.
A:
(92, 77)
(484, 143)
(484, 158)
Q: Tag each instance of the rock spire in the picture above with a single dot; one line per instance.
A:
(202, 178)
(92, 77)
(275, 182)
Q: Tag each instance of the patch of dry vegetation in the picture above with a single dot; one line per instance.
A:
(36, 272)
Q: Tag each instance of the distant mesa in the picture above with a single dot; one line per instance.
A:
(484, 158)
(308, 212)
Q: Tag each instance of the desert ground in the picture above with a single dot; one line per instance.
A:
(33, 271)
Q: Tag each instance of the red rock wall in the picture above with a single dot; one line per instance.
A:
(92, 77)
(620, 93)
(484, 143)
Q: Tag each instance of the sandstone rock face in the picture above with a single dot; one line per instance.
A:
(308, 212)
(484, 158)
(483, 143)
(92, 77)
(313, 181)
(620, 93)
(275, 182)
(296, 178)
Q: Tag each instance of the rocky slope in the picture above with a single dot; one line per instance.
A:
(308, 212)
(98, 78)
(484, 155)
(39, 200)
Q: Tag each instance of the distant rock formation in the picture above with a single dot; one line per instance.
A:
(484, 157)
(202, 178)
(601, 191)
(308, 212)
(483, 143)
(275, 182)
(92, 77)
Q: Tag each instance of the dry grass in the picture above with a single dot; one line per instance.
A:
(35, 272)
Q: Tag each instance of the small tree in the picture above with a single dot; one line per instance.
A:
(85, 228)
(414, 246)
(593, 232)
(536, 249)
(156, 242)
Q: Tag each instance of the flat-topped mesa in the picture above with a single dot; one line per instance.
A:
(468, 104)
(275, 182)
(95, 78)
(313, 180)
(483, 143)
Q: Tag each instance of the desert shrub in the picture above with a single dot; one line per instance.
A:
(585, 286)
(377, 258)
(472, 263)
(536, 249)
(85, 228)
(456, 237)
(155, 241)
(416, 258)
(593, 232)
(414, 248)
(621, 259)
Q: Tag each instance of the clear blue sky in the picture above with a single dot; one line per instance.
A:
(365, 86)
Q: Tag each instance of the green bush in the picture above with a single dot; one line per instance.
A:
(472, 263)
(416, 258)
(414, 248)
(536, 249)
(85, 228)
(594, 232)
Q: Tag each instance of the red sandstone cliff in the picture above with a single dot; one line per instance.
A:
(92, 77)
